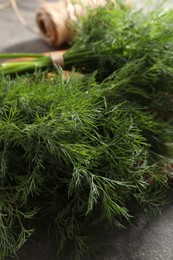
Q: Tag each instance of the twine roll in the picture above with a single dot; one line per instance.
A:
(54, 19)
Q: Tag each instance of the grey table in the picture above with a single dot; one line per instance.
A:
(14, 37)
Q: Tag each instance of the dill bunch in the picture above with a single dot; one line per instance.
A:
(77, 151)
(107, 39)
(71, 154)
(113, 35)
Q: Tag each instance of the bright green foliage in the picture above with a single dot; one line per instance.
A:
(112, 36)
(72, 154)
(77, 151)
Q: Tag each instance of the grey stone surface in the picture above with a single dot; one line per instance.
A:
(14, 37)
(147, 239)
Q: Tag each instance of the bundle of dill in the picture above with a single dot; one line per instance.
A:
(74, 153)
(119, 43)
(113, 36)
(107, 39)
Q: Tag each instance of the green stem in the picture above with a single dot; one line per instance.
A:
(20, 55)
(10, 68)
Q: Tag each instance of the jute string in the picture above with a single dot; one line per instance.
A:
(19, 16)
(53, 19)
(57, 57)
(7, 4)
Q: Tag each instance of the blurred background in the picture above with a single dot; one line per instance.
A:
(15, 37)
